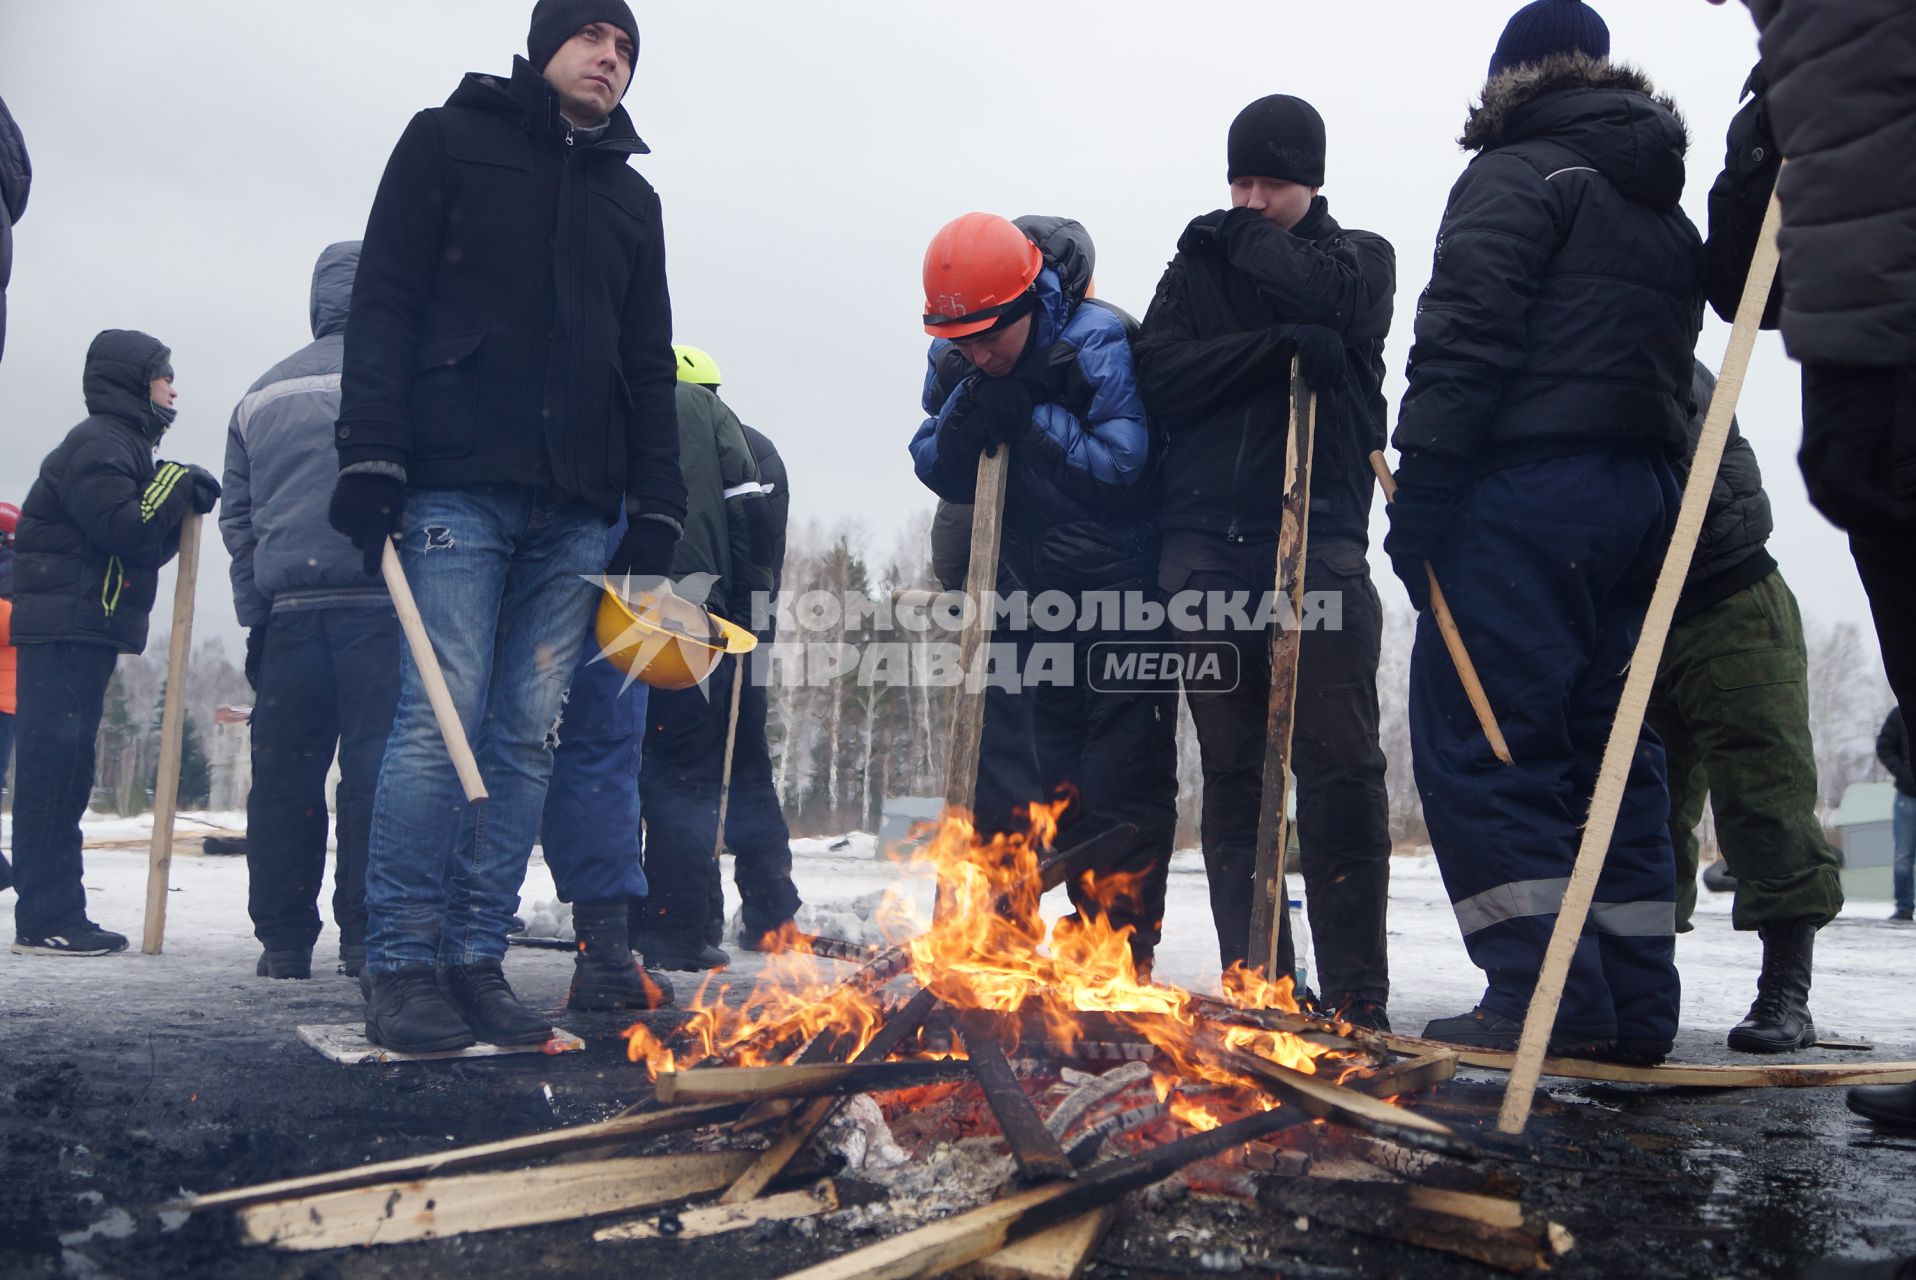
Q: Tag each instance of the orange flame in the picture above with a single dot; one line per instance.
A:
(987, 948)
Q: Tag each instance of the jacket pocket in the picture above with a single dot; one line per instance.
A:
(445, 395)
(1752, 670)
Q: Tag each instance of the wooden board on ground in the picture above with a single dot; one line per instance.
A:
(714, 1219)
(1061, 1253)
(392, 1212)
(1757, 1075)
(346, 1044)
(579, 1137)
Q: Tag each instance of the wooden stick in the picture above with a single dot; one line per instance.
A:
(393, 1212)
(423, 657)
(731, 739)
(981, 584)
(1614, 772)
(1322, 1099)
(741, 1084)
(1033, 1146)
(813, 1116)
(1681, 1075)
(1447, 628)
(1270, 912)
(951, 1242)
(1078, 859)
(166, 791)
(1060, 1253)
(576, 1138)
(715, 1219)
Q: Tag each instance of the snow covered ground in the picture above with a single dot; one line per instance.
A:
(1865, 967)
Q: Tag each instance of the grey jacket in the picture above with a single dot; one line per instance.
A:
(1730, 552)
(1843, 104)
(16, 180)
(281, 468)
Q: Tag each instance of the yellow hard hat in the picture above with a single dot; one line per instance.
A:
(695, 366)
(665, 640)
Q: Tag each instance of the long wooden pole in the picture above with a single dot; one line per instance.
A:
(1447, 628)
(731, 740)
(443, 709)
(1628, 726)
(166, 795)
(1268, 906)
(981, 583)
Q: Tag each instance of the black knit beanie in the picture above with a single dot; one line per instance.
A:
(1278, 137)
(556, 21)
(1547, 28)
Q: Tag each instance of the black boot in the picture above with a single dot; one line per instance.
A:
(406, 1012)
(605, 973)
(295, 962)
(480, 993)
(1892, 1104)
(1482, 1029)
(684, 952)
(1779, 1021)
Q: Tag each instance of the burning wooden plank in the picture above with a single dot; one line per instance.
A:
(394, 1212)
(716, 1219)
(576, 1138)
(1033, 1146)
(967, 1237)
(1324, 1100)
(810, 1080)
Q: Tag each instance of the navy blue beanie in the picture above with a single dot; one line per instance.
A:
(1547, 28)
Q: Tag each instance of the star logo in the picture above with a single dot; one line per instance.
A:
(654, 624)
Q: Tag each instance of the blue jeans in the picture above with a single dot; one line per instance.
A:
(591, 827)
(499, 574)
(1904, 828)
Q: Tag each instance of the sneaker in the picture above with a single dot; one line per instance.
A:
(294, 962)
(407, 1013)
(83, 938)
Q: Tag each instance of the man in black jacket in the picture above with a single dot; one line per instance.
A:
(1731, 707)
(95, 529)
(16, 183)
(508, 385)
(1251, 285)
(1892, 749)
(1549, 389)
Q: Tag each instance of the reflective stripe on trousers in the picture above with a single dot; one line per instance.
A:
(1544, 897)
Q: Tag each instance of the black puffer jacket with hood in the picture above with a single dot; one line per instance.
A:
(1566, 297)
(16, 181)
(103, 516)
(1732, 548)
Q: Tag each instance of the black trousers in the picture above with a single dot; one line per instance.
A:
(1859, 462)
(62, 689)
(679, 780)
(1343, 812)
(328, 681)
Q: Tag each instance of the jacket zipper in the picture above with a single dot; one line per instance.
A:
(1237, 473)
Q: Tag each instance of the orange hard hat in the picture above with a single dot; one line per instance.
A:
(977, 270)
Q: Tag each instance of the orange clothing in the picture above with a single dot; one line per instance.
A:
(9, 656)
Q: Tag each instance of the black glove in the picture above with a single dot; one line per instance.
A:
(1203, 227)
(366, 507)
(1001, 410)
(255, 650)
(205, 492)
(1235, 223)
(1418, 521)
(646, 549)
(1320, 356)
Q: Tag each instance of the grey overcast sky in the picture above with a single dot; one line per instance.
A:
(192, 157)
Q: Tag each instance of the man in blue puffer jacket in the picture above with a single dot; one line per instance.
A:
(1022, 358)
(1550, 387)
(322, 643)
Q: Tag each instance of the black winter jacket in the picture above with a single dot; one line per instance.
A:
(1892, 748)
(1566, 296)
(16, 182)
(510, 322)
(1731, 550)
(1214, 362)
(1843, 103)
(102, 517)
(778, 498)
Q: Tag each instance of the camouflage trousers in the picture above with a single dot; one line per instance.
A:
(1732, 707)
